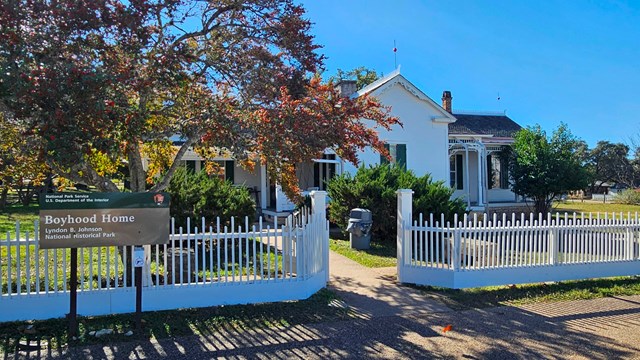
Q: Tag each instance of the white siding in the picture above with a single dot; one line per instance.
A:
(426, 140)
(247, 178)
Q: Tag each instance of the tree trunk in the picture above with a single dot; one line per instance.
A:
(137, 183)
(25, 198)
(25, 194)
(3, 198)
(541, 205)
(137, 174)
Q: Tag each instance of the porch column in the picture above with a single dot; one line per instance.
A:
(263, 186)
(466, 175)
(481, 176)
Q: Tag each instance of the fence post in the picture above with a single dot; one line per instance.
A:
(319, 213)
(403, 238)
(455, 258)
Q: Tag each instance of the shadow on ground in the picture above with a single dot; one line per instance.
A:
(391, 321)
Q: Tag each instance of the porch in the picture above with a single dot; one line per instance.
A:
(479, 173)
(270, 199)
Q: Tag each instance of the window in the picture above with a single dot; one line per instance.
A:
(398, 154)
(498, 172)
(455, 172)
(323, 172)
(225, 170)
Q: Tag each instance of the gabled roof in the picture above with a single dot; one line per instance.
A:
(498, 125)
(386, 82)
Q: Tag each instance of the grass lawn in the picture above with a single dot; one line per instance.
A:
(93, 269)
(532, 293)
(594, 207)
(184, 322)
(13, 213)
(379, 255)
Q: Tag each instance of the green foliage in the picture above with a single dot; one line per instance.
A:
(586, 207)
(26, 215)
(361, 75)
(609, 162)
(196, 195)
(118, 78)
(374, 188)
(545, 167)
(629, 197)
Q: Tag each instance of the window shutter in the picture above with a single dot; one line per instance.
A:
(459, 174)
(316, 175)
(504, 172)
(229, 170)
(384, 160)
(401, 155)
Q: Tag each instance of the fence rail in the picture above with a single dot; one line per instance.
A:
(477, 251)
(279, 261)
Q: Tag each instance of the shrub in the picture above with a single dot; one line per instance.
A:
(196, 195)
(629, 196)
(374, 188)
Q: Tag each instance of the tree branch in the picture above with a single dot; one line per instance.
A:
(174, 165)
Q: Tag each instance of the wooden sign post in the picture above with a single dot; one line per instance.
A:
(138, 262)
(73, 294)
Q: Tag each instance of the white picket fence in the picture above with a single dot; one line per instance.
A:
(201, 265)
(511, 250)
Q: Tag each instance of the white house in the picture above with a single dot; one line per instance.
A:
(422, 141)
(268, 195)
(460, 148)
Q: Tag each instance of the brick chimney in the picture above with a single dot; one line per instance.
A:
(346, 87)
(446, 100)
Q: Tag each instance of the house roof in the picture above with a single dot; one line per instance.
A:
(498, 125)
(387, 81)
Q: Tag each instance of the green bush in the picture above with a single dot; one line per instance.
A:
(629, 196)
(374, 188)
(196, 195)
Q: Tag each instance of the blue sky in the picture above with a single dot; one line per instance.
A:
(550, 61)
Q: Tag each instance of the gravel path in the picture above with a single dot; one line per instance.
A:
(397, 322)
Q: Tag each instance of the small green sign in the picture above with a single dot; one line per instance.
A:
(72, 220)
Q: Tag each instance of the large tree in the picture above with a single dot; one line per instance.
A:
(544, 167)
(100, 82)
(609, 162)
(21, 167)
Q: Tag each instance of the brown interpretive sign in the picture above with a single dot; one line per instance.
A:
(72, 220)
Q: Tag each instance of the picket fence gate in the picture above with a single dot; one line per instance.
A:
(201, 265)
(513, 250)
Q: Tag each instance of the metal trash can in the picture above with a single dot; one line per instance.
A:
(176, 254)
(359, 228)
